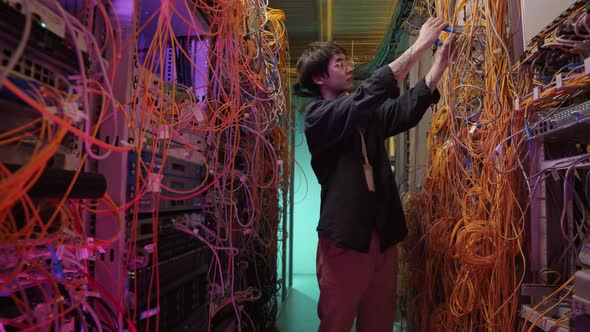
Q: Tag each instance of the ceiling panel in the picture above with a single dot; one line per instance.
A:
(302, 23)
(358, 26)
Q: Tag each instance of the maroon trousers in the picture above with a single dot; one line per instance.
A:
(356, 284)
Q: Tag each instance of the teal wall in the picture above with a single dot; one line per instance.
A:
(306, 209)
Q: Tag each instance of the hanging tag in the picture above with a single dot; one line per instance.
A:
(559, 81)
(369, 177)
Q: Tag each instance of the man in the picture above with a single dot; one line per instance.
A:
(361, 216)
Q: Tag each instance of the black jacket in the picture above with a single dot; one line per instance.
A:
(349, 212)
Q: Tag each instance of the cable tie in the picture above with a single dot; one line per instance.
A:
(499, 149)
(555, 174)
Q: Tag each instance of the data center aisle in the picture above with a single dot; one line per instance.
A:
(299, 314)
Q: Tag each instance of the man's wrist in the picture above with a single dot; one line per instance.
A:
(431, 80)
(429, 83)
(420, 46)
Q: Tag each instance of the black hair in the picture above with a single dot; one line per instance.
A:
(314, 62)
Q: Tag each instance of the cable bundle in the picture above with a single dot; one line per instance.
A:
(237, 133)
(464, 252)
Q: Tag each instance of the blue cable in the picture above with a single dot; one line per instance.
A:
(56, 264)
(527, 130)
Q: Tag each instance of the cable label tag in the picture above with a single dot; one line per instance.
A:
(587, 66)
(164, 132)
(559, 81)
(149, 312)
(154, 180)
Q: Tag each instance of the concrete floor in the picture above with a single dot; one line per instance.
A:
(299, 314)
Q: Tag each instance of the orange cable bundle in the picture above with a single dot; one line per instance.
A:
(470, 262)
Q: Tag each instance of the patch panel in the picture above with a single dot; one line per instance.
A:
(571, 124)
(177, 175)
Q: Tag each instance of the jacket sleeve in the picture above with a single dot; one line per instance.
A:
(403, 113)
(328, 122)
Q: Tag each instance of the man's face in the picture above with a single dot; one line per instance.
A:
(339, 78)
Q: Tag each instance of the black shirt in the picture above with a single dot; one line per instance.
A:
(349, 212)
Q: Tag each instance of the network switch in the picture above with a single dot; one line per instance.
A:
(45, 16)
(59, 50)
(571, 124)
